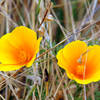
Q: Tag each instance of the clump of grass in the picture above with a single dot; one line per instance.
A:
(71, 20)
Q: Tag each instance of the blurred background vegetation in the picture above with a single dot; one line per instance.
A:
(58, 22)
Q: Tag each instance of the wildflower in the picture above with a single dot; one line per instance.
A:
(18, 48)
(81, 62)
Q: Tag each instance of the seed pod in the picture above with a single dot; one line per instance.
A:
(41, 30)
(49, 18)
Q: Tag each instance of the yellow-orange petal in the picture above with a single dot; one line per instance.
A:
(5, 67)
(93, 63)
(80, 62)
(37, 50)
(71, 54)
(92, 72)
(61, 60)
(19, 47)
(74, 49)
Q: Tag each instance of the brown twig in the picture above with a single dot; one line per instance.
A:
(46, 12)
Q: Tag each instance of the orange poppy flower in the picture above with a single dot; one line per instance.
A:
(18, 48)
(81, 62)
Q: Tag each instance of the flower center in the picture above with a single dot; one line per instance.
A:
(21, 57)
(80, 69)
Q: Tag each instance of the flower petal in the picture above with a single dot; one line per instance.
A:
(74, 49)
(37, 50)
(19, 47)
(61, 60)
(5, 67)
(71, 54)
(92, 72)
(80, 62)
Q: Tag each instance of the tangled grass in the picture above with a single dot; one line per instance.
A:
(58, 22)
